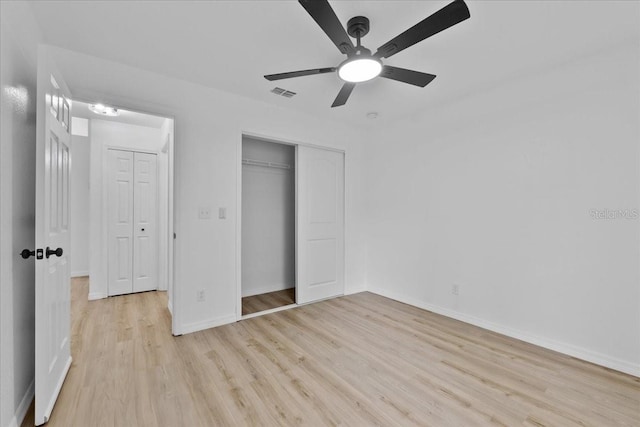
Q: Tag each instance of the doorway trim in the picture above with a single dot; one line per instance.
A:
(275, 140)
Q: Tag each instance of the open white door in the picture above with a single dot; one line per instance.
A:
(53, 163)
(320, 224)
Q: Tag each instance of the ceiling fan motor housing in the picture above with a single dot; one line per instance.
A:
(358, 26)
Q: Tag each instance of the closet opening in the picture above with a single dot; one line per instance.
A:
(268, 226)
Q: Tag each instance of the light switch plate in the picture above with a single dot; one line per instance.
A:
(204, 212)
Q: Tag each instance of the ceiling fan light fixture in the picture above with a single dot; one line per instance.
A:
(358, 70)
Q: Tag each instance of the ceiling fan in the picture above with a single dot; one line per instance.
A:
(360, 65)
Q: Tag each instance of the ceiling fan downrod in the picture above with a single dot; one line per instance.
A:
(358, 27)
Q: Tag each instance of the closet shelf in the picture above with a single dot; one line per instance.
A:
(265, 164)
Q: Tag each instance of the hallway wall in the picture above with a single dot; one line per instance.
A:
(80, 207)
(19, 39)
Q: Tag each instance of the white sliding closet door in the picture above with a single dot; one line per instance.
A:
(132, 213)
(145, 217)
(320, 232)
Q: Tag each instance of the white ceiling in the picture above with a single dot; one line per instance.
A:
(230, 45)
(81, 109)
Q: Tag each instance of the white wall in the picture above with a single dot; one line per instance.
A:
(494, 194)
(19, 36)
(80, 248)
(105, 134)
(208, 129)
(268, 218)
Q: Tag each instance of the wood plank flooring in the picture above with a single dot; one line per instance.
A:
(258, 303)
(360, 360)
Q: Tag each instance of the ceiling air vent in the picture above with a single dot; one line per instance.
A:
(283, 92)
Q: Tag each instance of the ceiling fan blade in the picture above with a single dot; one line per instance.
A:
(325, 17)
(415, 78)
(301, 73)
(446, 17)
(343, 95)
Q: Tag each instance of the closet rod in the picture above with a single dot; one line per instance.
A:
(265, 164)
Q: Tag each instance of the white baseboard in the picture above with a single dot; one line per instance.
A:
(265, 290)
(357, 290)
(22, 408)
(206, 324)
(97, 295)
(568, 349)
(81, 273)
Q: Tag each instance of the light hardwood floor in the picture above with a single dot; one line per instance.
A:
(358, 360)
(258, 303)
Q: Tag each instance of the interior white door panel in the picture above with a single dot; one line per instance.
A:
(53, 297)
(145, 229)
(120, 221)
(320, 224)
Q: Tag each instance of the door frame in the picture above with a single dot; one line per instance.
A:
(282, 141)
(171, 231)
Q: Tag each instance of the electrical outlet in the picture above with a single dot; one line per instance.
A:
(200, 295)
(204, 212)
(455, 289)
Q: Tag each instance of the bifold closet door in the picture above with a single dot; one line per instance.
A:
(120, 221)
(145, 223)
(132, 215)
(320, 228)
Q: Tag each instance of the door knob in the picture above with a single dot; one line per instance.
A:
(143, 229)
(26, 253)
(56, 252)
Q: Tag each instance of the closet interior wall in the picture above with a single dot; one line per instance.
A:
(268, 217)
